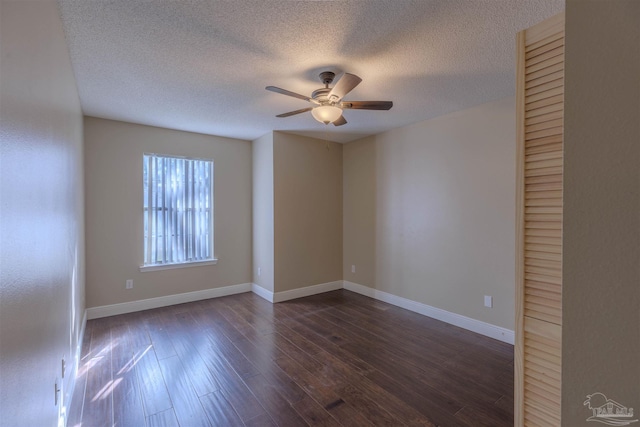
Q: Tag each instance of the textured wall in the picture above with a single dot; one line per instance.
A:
(601, 236)
(262, 150)
(41, 214)
(113, 180)
(429, 212)
(307, 211)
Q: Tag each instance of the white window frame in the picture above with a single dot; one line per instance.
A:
(167, 262)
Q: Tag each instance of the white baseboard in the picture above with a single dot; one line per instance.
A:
(262, 292)
(307, 291)
(487, 329)
(295, 293)
(146, 304)
(83, 328)
(73, 369)
(483, 328)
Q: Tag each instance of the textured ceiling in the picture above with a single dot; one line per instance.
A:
(202, 66)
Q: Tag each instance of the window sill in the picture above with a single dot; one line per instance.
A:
(144, 268)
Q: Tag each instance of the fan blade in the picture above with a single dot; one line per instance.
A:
(341, 121)
(289, 93)
(367, 105)
(293, 113)
(343, 86)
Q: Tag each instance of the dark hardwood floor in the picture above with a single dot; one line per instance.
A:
(332, 359)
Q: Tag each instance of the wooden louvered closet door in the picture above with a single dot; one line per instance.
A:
(540, 108)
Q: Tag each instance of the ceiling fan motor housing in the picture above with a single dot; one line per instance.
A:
(321, 95)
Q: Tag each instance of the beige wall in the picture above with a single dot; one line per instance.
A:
(41, 211)
(360, 211)
(113, 180)
(307, 211)
(429, 212)
(601, 236)
(262, 157)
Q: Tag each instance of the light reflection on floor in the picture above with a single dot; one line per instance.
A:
(93, 360)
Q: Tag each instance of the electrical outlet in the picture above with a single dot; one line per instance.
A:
(259, 271)
(353, 268)
(488, 301)
(129, 284)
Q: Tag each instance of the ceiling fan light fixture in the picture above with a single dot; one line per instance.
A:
(326, 113)
(327, 102)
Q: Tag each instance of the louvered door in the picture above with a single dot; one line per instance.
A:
(540, 107)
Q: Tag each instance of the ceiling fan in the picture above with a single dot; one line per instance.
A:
(327, 102)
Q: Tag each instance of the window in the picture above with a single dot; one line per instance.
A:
(178, 211)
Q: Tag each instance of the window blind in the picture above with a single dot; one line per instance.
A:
(178, 210)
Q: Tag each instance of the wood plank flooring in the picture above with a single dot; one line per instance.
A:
(333, 359)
